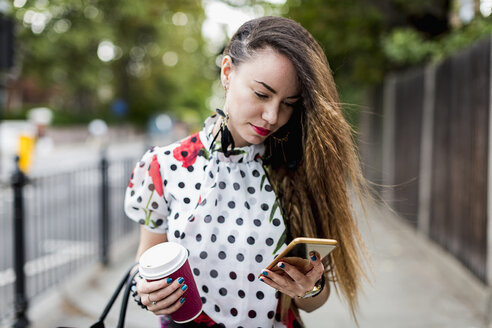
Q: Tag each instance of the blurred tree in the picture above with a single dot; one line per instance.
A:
(86, 54)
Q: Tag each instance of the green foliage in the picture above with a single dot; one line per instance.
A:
(408, 47)
(61, 58)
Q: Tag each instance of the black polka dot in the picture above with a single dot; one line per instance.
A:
(196, 271)
(236, 186)
(193, 139)
(221, 219)
(132, 193)
(213, 238)
(232, 275)
(256, 173)
(176, 216)
(269, 241)
(217, 308)
(223, 291)
(151, 187)
(176, 234)
(268, 188)
(203, 202)
(231, 239)
(173, 167)
(190, 168)
(231, 204)
(159, 222)
(182, 235)
(181, 185)
(233, 312)
(260, 295)
(139, 199)
(167, 152)
(214, 273)
(186, 200)
(252, 314)
(270, 314)
(246, 204)
(222, 185)
(211, 175)
(240, 257)
(239, 221)
(155, 205)
(242, 173)
(276, 222)
(198, 237)
(250, 240)
(264, 207)
(191, 218)
(208, 218)
(203, 255)
(198, 186)
(241, 293)
(165, 182)
(205, 288)
(259, 258)
(141, 221)
(277, 294)
(204, 300)
(251, 190)
(222, 255)
(257, 222)
(184, 153)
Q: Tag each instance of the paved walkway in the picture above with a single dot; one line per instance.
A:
(415, 285)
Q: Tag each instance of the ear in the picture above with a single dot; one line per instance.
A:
(225, 71)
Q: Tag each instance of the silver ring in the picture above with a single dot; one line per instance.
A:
(154, 302)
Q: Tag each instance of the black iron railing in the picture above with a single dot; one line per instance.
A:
(52, 226)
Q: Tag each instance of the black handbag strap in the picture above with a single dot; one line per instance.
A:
(125, 282)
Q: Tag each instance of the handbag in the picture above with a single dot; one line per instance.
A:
(126, 284)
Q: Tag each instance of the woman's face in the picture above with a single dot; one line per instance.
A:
(260, 95)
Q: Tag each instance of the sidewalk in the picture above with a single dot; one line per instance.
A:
(416, 284)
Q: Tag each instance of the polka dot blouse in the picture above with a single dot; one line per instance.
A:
(224, 211)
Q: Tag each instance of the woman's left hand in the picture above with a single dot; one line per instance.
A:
(291, 281)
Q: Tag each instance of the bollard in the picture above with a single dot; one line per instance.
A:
(18, 182)
(104, 214)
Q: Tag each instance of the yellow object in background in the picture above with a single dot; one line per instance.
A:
(26, 150)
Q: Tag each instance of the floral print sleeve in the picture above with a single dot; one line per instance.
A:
(145, 197)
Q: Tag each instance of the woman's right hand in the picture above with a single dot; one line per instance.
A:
(162, 296)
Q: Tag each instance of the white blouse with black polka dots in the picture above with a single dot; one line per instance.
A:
(224, 211)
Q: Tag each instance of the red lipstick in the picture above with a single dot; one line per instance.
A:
(261, 131)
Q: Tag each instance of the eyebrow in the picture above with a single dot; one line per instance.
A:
(272, 90)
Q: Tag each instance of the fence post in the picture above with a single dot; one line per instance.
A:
(104, 219)
(18, 181)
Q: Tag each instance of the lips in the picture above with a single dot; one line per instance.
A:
(261, 131)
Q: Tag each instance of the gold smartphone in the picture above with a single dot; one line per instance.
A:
(297, 252)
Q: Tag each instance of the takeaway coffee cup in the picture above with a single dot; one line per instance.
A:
(171, 260)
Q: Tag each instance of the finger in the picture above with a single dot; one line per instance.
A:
(147, 287)
(276, 286)
(176, 292)
(173, 308)
(294, 274)
(153, 296)
(318, 267)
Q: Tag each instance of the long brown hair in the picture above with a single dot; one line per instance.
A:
(316, 161)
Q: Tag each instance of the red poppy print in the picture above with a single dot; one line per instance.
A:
(155, 174)
(188, 150)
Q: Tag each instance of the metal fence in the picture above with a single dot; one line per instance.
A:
(64, 227)
(427, 142)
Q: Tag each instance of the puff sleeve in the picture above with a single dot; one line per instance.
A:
(145, 197)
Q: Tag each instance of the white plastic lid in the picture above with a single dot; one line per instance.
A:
(161, 260)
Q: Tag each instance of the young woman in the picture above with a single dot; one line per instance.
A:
(272, 165)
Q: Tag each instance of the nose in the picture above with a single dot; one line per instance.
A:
(270, 113)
